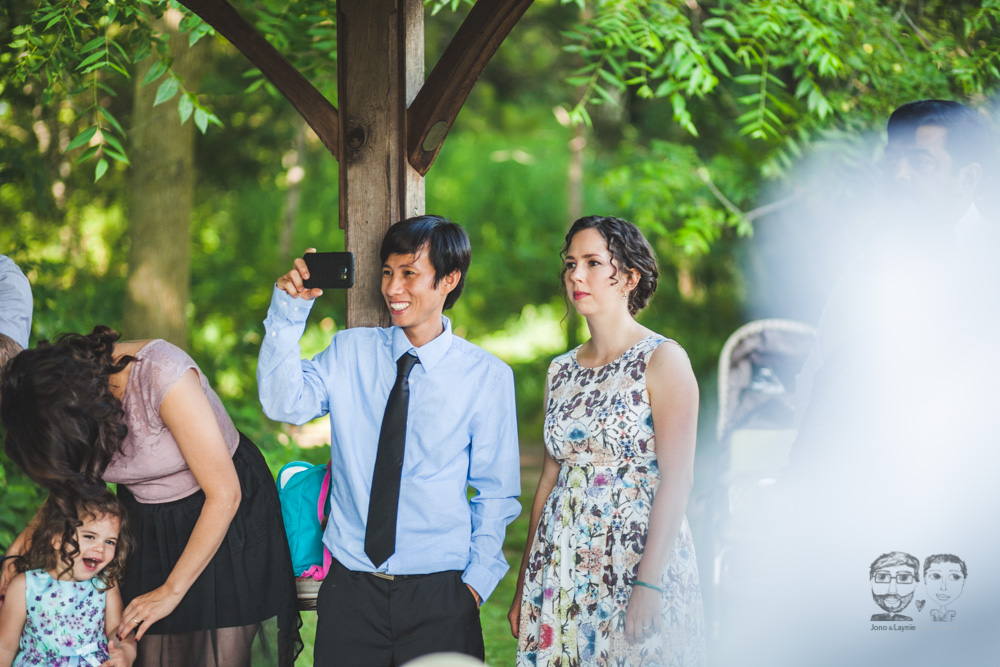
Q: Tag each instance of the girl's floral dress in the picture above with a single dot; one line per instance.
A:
(599, 427)
(65, 623)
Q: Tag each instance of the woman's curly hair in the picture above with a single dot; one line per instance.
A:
(629, 250)
(58, 520)
(63, 425)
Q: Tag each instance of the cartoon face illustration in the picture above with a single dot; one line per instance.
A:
(894, 579)
(944, 578)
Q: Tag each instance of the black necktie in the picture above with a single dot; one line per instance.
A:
(380, 533)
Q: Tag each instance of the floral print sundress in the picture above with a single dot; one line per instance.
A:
(65, 623)
(586, 551)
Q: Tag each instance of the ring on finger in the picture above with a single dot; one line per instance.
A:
(137, 621)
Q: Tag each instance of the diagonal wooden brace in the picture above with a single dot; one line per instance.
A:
(307, 100)
(441, 98)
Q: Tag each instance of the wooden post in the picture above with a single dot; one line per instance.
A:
(380, 68)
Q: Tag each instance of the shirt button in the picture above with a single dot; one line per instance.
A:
(273, 334)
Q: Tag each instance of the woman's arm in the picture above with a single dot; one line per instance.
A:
(122, 651)
(12, 617)
(673, 396)
(188, 414)
(546, 482)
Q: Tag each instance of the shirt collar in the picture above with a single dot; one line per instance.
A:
(428, 354)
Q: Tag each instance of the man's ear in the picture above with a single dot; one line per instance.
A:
(969, 177)
(450, 281)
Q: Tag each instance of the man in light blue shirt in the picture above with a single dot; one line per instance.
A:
(460, 431)
(15, 310)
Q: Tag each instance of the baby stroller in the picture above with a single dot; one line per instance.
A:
(755, 430)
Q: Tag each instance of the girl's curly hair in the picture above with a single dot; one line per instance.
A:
(629, 250)
(58, 520)
(63, 425)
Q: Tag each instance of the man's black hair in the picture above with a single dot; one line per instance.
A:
(969, 138)
(447, 243)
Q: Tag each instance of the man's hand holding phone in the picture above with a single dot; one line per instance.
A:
(317, 270)
(292, 283)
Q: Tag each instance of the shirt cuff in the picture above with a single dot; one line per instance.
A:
(291, 308)
(481, 579)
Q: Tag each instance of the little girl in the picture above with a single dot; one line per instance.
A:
(64, 606)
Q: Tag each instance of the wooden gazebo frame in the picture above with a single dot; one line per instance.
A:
(391, 123)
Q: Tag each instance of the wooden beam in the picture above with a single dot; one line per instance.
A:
(440, 99)
(379, 50)
(307, 100)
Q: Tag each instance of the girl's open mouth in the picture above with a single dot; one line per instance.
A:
(91, 563)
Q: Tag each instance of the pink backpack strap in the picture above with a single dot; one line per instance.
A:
(324, 494)
(317, 572)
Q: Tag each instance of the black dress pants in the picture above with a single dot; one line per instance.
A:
(368, 621)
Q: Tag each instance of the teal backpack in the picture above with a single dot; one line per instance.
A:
(304, 492)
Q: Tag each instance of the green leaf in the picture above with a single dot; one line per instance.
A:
(115, 155)
(82, 138)
(719, 64)
(54, 20)
(92, 44)
(121, 50)
(155, 72)
(92, 58)
(201, 119)
(112, 141)
(185, 106)
(166, 90)
(87, 154)
(100, 169)
(121, 70)
(142, 52)
(111, 119)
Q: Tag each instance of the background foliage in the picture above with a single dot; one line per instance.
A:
(699, 120)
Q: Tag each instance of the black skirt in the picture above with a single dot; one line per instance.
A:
(242, 608)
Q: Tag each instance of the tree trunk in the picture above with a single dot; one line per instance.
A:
(161, 198)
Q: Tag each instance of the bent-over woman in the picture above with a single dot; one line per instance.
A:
(210, 583)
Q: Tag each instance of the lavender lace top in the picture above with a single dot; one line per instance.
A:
(150, 463)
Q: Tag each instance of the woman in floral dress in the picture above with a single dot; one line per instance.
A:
(609, 574)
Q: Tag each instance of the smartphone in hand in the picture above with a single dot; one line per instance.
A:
(329, 270)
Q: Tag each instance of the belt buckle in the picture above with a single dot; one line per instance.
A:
(383, 575)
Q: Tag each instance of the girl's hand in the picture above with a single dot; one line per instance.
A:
(122, 654)
(147, 609)
(642, 620)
